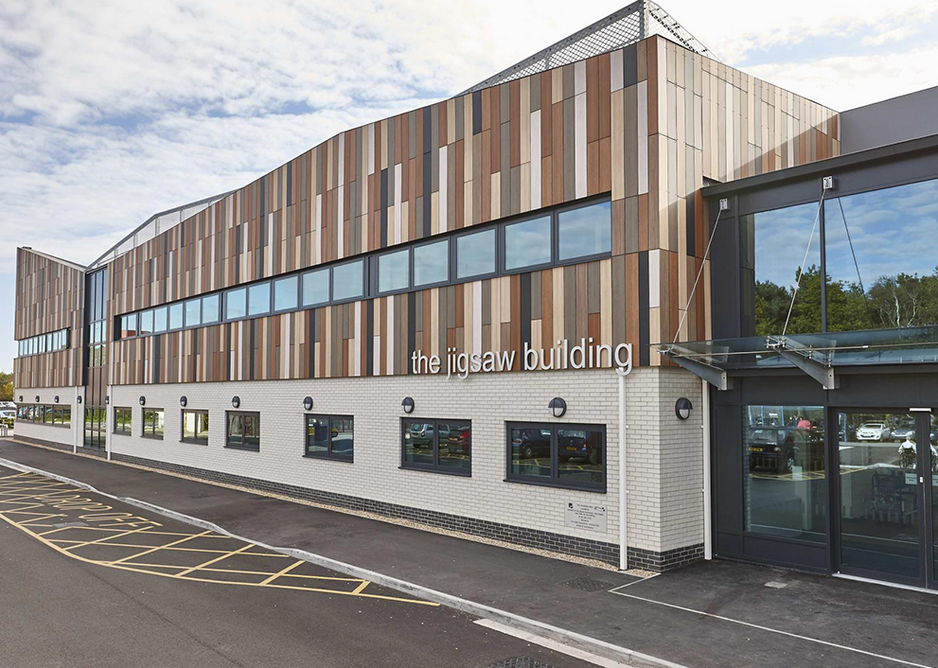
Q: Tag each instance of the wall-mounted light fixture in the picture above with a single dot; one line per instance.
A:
(78, 398)
(37, 398)
(183, 401)
(107, 399)
(235, 401)
(408, 405)
(143, 400)
(21, 398)
(308, 403)
(56, 399)
(682, 408)
(557, 407)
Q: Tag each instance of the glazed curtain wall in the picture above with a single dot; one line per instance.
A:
(49, 298)
(646, 124)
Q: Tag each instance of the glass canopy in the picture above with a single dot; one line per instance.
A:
(910, 345)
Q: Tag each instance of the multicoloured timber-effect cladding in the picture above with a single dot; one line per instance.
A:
(49, 297)
(644, 125)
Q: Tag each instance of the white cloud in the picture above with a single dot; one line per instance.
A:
(108, 114)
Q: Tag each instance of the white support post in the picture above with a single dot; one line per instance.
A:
(707, 509)
(623, 475)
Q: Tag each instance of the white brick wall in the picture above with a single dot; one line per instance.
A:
(664, 454)
(67, 396)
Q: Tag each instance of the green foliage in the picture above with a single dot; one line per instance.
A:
(906, 300)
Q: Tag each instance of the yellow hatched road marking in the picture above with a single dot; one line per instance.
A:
(190, 573)
(246, 546)
(154, 549)
(103, 539)
(283, 572)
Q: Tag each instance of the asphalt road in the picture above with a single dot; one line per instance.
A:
(67, 602)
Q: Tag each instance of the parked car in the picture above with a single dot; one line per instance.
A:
(7, 404)
(532, 442)
(904, 431)
(456, 438)
(575, 443)
(778, 448)
(7, 416)
(873, 431)
(420, 435)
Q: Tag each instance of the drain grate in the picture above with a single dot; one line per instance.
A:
(519, 662)
(588, 584)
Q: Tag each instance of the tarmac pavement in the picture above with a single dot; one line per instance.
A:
(712, 614)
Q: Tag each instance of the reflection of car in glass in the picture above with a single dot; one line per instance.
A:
(903, 431)
(873, 431)
(420, 435)
(455, 437)
(532, 442)
(575, 443)
(777, 448)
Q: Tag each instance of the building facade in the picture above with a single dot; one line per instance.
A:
(460, 315)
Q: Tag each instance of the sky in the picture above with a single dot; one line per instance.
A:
(108, 115)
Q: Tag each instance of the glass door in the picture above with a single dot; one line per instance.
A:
(881, 495)
(931, 456)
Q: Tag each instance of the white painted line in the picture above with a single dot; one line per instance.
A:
(616, 590)
(552, 645)
(771, 630)
(883, 583)
(571, 639)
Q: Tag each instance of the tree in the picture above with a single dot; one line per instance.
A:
(6, 386)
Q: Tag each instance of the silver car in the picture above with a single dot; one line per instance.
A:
(873, 431)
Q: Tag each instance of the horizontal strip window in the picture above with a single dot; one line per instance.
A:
(443, 446)
(195, 427)
(123, 418)
(48, 414)
(44, 343)
(243, 431)
(330, 437)
(153, 423)
(565, 235)
(558, 455)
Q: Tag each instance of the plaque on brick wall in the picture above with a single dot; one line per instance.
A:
(585, 516)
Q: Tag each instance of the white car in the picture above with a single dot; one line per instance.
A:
(873, 431)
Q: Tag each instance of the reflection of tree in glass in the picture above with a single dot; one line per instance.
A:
(892, 302)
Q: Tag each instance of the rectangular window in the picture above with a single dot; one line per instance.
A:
(347, 280)
(585, 231)
(330, 436)
(160, 319)
(153, 423)
(122, 419)
(146, 322)
(431, 263)
(193, 313)
(244, 431)
(259, 299)
(236, 304)
(784, 485)
(195, 427)
(561, 455)
(128, 326)
(286, 293)
(175, 316)
(475, 254)
(444, 446)
(210, 306)
(394, 271)
(772, 248)
(62, 416)
(316, 287)
(528, 243)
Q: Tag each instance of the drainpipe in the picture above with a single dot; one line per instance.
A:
(108, 430)
(708, 511)
(623, 491)
(78, 421)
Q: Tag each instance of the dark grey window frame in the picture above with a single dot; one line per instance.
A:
(120, 430)
(554, 480)
(376, 274)
(330, 454)
(369, 264)
(143, 426)
(54, 342)
(246, 448)
(273, 293)
(182, 426)
(435, 466)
